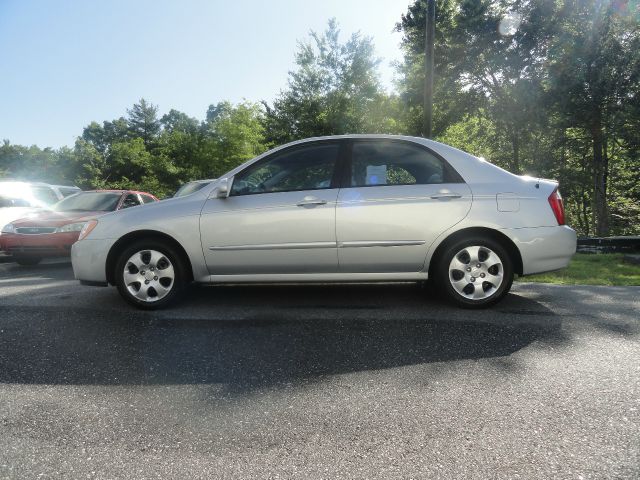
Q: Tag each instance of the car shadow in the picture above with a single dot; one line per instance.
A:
(244, 338)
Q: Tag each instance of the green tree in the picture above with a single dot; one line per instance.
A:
(549, 82)
(335, 89)
(233, 134)
(594, 81)
(143, 121)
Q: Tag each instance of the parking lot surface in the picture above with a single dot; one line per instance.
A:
(349, 381)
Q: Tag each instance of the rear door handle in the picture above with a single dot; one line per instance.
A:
(306, 201)
(436, 196)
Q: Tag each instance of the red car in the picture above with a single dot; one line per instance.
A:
(50, 233)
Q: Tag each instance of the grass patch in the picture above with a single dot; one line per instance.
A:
(594, 269)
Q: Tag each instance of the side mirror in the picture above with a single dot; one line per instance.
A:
(224, 187)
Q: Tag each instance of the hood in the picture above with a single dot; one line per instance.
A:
(49, 218)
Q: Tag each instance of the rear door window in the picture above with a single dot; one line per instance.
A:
(376, 163)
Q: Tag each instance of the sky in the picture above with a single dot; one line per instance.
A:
(66, 63)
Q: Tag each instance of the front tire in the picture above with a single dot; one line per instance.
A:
(475, 272)
(27, 261)
(150, 275)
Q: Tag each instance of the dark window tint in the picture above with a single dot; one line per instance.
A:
(394, 163)
(303, 168)
(147, 198)
(130, 200)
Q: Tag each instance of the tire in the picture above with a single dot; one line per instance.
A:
(27, 261)
(464, 283)
(155, 274)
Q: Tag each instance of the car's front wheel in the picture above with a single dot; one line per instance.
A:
(475, 273)
(150, 275)
(27, 260)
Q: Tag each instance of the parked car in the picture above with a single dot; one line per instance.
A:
(192, 187)
(338, 209)
(17, 199)
(50, 233)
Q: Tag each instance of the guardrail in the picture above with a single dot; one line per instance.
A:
(608, 244)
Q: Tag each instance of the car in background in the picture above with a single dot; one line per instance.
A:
(354, 208)
(51, 232)
(192, 187)
(17, 199)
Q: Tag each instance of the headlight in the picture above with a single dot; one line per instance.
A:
(8, 228)
(70, 227)
(86, 229)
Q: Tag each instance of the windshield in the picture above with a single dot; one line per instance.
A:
(189, 188)
(89, 202)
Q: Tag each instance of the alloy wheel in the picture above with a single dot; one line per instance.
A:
(476, 272)
(148, 275)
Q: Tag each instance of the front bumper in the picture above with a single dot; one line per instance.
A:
(39, 245)
(544, 249)
(89, 260)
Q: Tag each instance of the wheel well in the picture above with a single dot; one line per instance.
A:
(495, 235)
(126, 240)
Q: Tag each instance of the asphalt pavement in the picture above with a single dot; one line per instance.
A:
(323, 381)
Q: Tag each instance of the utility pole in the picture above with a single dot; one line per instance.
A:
(430, 33)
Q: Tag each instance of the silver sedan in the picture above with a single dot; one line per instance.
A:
(357, 208)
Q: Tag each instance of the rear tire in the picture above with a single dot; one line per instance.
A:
(27, 261)
(150, 274)
(474, 272)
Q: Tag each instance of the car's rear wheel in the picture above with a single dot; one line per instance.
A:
(475, 273)
(27, 260)
(150, 275)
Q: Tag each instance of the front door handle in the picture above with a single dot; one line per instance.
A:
(439, 195)
(307, 201)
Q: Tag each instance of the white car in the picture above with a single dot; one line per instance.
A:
(357, 208)
(18, 199)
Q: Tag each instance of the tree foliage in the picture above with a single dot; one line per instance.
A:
(544, 87)
(334, 89)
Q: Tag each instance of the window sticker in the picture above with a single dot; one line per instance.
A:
(376, 175)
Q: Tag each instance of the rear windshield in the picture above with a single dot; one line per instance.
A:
(89, 202)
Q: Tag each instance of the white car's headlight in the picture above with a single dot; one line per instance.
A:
(9, 228)
(70, 227)
(86, 229)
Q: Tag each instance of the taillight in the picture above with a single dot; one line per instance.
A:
(555, 200)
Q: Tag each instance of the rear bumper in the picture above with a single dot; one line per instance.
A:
(89, 259)
(544, 248)
(44, 245)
